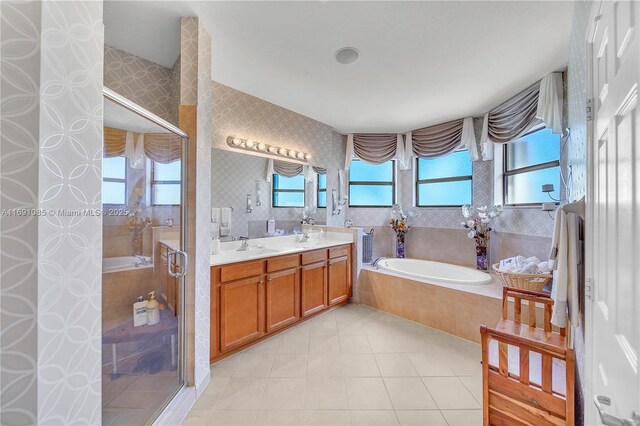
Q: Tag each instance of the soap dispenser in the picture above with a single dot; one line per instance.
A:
(153, 313)
(140, 312)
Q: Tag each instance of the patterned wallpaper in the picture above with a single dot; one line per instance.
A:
(238, 114)
(20, 84)
(69, 247)
(203, 202)
(144, 82)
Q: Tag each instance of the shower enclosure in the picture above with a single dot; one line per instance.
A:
(143, 262)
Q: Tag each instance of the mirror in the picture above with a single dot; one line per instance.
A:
(246, 196)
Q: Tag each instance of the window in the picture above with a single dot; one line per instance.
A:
(114, 180)
(444, 181)
(165, 183)
(288, 191)
(528, 163)
(322, 190)
(372, 185)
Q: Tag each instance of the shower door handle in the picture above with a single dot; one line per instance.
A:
(182, 266)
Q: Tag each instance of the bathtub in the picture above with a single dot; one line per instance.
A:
(436, 272)
(124, 263)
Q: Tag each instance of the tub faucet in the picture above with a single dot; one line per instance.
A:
(143, 260)
(304, 238)
(245, 244)
(375, 262)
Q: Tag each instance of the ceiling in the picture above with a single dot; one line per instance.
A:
(421, 63)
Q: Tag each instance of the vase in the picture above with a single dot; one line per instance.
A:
(482, 256)
(137, 245)
(400, 245)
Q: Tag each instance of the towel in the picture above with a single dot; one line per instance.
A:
(565, 257)
(225, 221)
(215, 215)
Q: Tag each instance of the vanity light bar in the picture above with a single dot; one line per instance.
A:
(250, 145)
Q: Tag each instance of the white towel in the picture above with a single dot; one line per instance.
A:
(225, 221)
(565, 287)
(215, 215)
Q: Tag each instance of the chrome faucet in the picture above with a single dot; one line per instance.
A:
(245, 244)
(304, 238)
(375, 262)
(141, 260)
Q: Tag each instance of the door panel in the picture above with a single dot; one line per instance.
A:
(614, 219)
(314, 288)
(338, 280)
(283, 299)
(241, 312)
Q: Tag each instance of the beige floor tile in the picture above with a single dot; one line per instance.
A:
(325, 365)
(408, 393)
(474, 384)
(269, 346)
(367, 393)
(420, 417)
(351, 329)
(325, 393)
(294, 344)
(355, 345)
(117, 384)
(381, 344)
(242, 393)
(463, 364)
(284, 394)
(360, 365)
(463, 417)
(290, 365)
(134, 417)
(226, 367)
(449, 393)
(326, 417)
(231, 417)
(279, 417)
(154, 383)
(211, 394)
(324, 325)
(324, 344)
(427, 364)
(254, 365)
(137, 399)
(395, 365)
(373, 418)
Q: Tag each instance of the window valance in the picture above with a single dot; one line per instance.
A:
(160, 147)
(287, 169)
(374, 148)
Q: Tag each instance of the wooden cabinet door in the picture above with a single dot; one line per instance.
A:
(241, 311)
(283, 299)
(314, 288)
(339, 279)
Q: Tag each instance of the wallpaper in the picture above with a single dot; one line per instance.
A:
(20, 83)
(238, 114)
(203, 202)
(69, 246)
(144, 82)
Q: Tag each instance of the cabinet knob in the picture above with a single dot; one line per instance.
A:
(269, 280)
(261, 282)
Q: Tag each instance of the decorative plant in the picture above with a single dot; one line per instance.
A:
(137, 224)
(478, 221)
(400, 226)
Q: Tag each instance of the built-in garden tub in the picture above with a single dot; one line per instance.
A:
(451, 298)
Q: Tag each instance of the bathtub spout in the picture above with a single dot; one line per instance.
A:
(375, 262)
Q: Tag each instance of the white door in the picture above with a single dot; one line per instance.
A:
(614, 215)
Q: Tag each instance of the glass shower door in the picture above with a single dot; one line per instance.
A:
(144, 263)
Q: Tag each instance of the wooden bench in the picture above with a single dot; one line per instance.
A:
(527, 368)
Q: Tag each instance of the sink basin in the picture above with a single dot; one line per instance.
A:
(239, 255)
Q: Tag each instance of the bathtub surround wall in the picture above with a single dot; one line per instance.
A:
(51, 151)
(238, 114)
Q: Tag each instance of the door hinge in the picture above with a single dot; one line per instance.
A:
(588, 288)
(589, 109)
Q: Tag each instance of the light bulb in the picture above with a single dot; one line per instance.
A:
(262, 147)
(273, 149)
(301, 155)
(249, 143)
(293, 154)
(283, 151)
(236, 141)
(307, 156)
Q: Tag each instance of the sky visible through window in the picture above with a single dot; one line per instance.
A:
(454, 192)
(288, 199)
(371, 184)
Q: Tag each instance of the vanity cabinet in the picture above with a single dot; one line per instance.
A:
(241, 311)
(251, 299)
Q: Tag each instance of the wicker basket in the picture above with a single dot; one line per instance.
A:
(532, 282)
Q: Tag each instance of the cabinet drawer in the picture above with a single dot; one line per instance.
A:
(282, 262)
(237, 271)
(314, 256)
(338, 251)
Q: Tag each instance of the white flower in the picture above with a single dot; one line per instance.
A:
(470, 223)
(471, 234)
(465, 211)
(485, 220)
(482, 209)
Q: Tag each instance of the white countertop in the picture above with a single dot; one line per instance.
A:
(261, 248)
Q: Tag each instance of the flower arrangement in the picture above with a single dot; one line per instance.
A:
(137, 224)
(400, 226)
(478, 221)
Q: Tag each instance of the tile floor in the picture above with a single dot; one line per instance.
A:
(353, 365)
